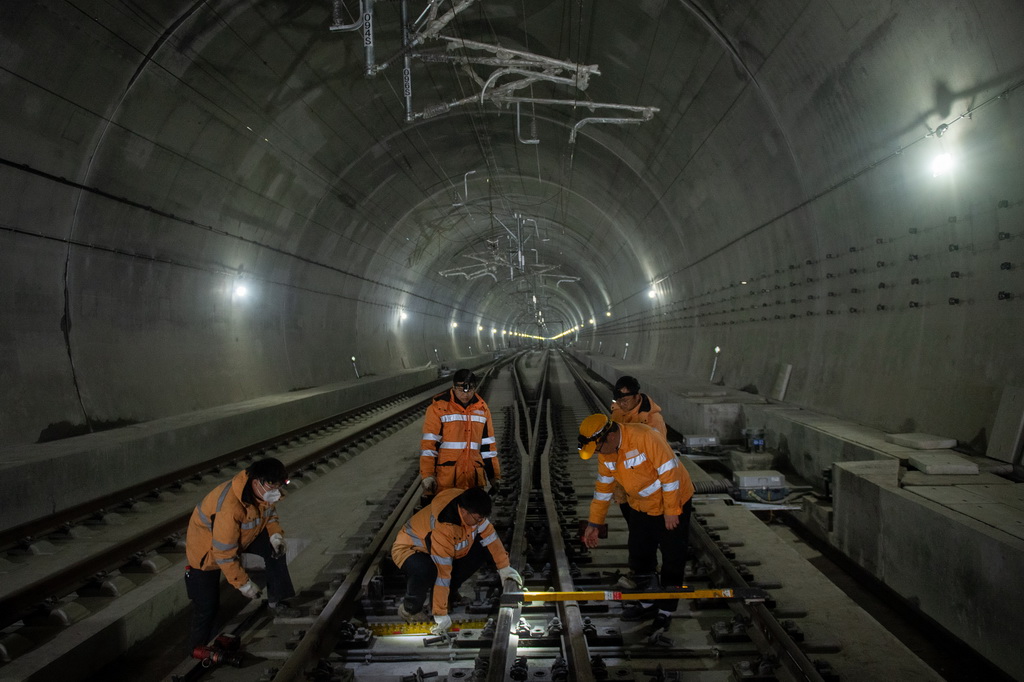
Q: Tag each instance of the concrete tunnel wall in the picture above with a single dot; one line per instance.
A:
(151, 159)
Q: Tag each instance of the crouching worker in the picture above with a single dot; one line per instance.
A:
(235, 517)
(441, 546)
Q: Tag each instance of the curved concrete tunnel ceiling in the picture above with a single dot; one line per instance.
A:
(778, 204)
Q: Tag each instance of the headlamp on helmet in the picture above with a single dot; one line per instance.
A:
(592, 430)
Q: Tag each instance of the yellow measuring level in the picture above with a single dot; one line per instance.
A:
(746, 594)
(422, 628)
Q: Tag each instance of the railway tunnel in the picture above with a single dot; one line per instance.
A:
(221, 220)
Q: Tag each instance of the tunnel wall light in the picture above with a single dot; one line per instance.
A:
(942, 164)
(714, 365)
(354, 367)
(625, 350)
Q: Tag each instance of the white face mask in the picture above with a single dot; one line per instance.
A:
(267, 495)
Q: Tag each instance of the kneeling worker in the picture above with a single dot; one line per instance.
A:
(442, 546)
(235, 517)
(660, 496)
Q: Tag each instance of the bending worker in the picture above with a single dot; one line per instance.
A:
(439, 548)
(660, 496)
(630, 406)
(235, 517)
(458, 449)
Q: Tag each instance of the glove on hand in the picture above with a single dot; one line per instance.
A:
(495, 488)
(429, 484)
(441, 625)
(250, 590)
(509, 573)
(278, 543)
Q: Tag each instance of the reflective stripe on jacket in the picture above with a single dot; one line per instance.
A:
(456, 441)
(222, 526)
(444, 542)
(646, 412)
(654, 480)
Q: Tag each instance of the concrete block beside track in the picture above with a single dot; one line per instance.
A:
(952, 567)
(45, 479)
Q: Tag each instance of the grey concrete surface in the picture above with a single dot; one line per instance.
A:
(39, 480)
(941, 549)
(778, 206)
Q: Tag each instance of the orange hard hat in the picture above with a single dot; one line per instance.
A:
(592, 430)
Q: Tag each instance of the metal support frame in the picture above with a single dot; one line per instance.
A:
(527, 67)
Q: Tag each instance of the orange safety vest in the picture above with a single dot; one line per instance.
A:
(445, 542)
(222, 526)
(456, 441)
(655, 481)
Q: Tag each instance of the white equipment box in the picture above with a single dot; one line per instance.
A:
(762, 485)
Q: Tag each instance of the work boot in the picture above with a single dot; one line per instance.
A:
(455, 600)
(634, 610)
(626, 582)
(409, 616)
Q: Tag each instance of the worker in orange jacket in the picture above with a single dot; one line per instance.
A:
(630, 406)
(660, 495)
(442, 546)
(458, 448)
(235, 517)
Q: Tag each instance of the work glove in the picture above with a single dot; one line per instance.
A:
(250, 590)
(509, 573)
(441, 625)
(429, 485)
(495, 488)
(278, 543)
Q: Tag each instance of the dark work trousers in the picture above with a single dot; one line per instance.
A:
(203, 588)
(647, 535)
(421, 572)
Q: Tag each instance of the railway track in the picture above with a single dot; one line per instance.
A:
(547, 488)
(358, 483)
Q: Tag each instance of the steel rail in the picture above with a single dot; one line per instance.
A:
(775, 637)
(574, 640)
(73, 575)
(503, 647)
(321, 636)
(54, 522)
(318, 640)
